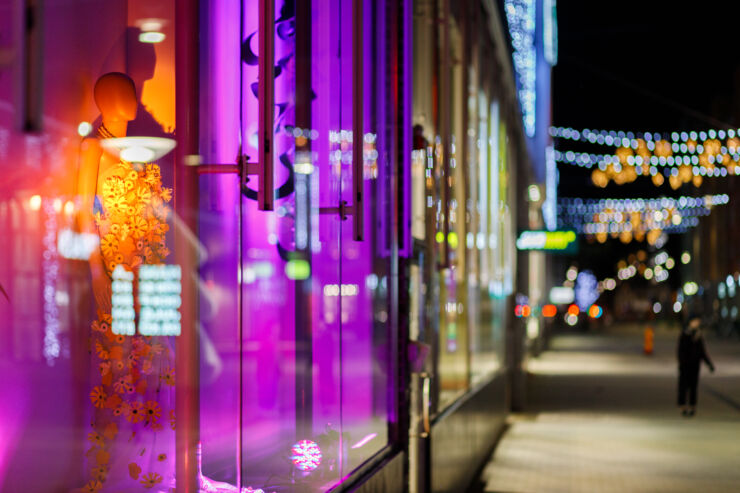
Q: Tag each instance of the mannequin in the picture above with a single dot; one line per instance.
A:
(131, 437)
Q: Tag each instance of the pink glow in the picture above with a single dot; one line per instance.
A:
(365, 440)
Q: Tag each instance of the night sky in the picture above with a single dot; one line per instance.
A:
(657, 66)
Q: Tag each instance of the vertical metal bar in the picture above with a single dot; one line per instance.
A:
(304, 317)
(187, 406)
(444, 125)
(266, 96)
(358, 131)
(29, 79)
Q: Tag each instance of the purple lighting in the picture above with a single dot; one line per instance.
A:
(306, 455)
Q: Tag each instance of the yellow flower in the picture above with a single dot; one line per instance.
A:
(113, 187)
(109, 245)
(144, 194)
(133, 175)
(149, 480)
(152, 411)
(98, 396)
(116, 204)
(139, 227)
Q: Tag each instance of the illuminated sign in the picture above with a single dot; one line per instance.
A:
(546, 240)
(159, 297)
(159, 301)
(122, 302)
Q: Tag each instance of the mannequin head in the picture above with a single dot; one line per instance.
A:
(115, 96)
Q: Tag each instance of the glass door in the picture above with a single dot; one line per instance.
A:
(294, 312)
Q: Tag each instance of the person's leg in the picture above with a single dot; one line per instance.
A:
(682, 389)
(693, 383)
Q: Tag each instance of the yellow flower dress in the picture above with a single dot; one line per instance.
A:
(131, 438)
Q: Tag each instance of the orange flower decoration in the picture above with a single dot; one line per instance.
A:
(166, 194)
(96, 438)
(124, 385)
(102, 352)
(173, 422)
(92, 487)
(168, 376)
(162, 457)
(149, 480)
(139, 227)
(98, 396)
(99, 473)
(152, 411)
(135, 412)
(134, 470)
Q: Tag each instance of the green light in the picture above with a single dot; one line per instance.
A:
(297, 269)
(452, 239)
(440, 237)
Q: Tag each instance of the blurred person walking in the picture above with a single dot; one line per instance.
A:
(691, 352)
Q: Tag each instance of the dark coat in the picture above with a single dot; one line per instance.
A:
(691, 352)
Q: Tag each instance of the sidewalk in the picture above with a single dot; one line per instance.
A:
(602, 418)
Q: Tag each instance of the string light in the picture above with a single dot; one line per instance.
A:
(635, 219)
(690, 155)
(520, 15)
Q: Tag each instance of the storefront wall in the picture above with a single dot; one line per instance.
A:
(295, 333)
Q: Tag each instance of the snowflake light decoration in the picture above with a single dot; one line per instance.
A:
(306, 455)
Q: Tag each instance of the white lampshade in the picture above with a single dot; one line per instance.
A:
(138, 149)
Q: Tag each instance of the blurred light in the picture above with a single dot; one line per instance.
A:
(534, 193)
(69, 207)
(690, 288)
(561, 295)
(35, 202)
(648, 273)
(151, 37)
(685, 258)
(297, 269)
(571, 274)
(137, 154)
(84, 129)
(571, 319)
(549, 311)
(574, 310)
(595, 311)
(670, 263)
(610, 283)
(677, 307)
(657, 307)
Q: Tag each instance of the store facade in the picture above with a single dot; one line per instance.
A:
(210, 283)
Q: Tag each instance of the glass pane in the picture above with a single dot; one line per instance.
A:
(364, 274)
(90, 365)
